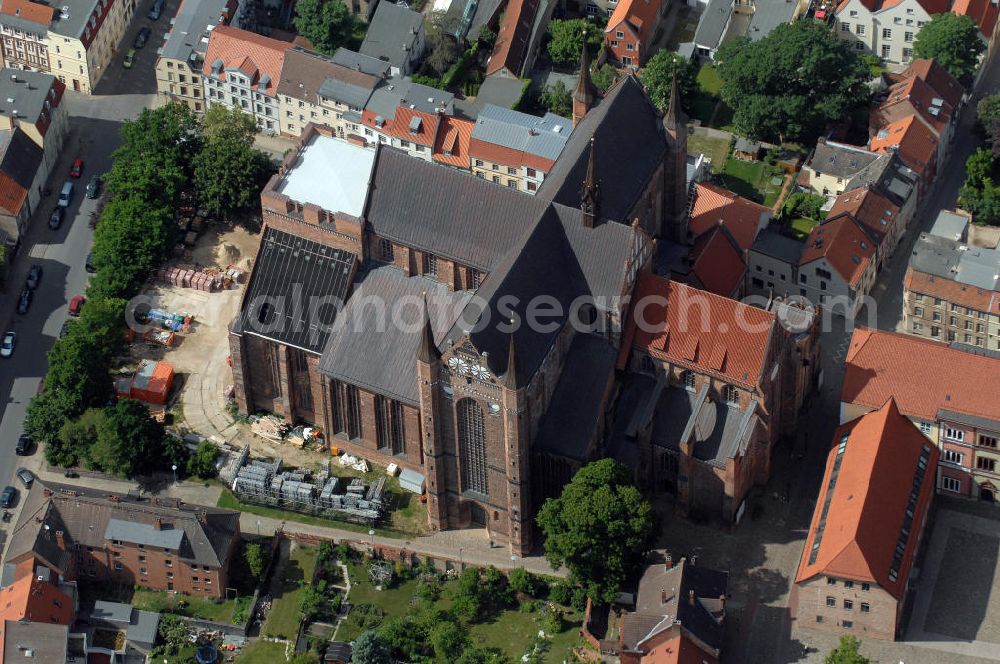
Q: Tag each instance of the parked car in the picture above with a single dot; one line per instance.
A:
(129, 59)
(34, 277)
(89, 265)
(8, 497)
(140, 39)
(76, 304)
(23, 445)
(55, 221)
(66, 195)
(155, 10)
(24, 302)
(8, 343)
(76, 170)
(26, 476)
(93, 186)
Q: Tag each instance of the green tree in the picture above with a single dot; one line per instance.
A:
(448, 640)
(328, 24)
(557, 99)
(404, 637)
(781, 86)
(76, 437)
(988, 114)
(369, 648)
(658, 76)
(980, 194)
(47, 413)
(604, 77)
(599, 527)
(954, 42)
(228, 170)
(253, 554)
(802, 204)
(487, 37)
(847, 652)
(523, 581)
(202, 462)
(311, 600)
(131, 240)
(566, 39)
(173, 633)
(442, 49)
(129, 442)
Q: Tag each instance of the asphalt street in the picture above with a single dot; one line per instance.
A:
(93, 135)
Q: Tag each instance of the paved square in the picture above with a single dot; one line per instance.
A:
(960, 605)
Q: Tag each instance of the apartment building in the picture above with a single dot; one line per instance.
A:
(631, 27)
(886, 29)
(74, 41)
(395, 35)
(952, 292)
(181, 58)
(866, 530)
(20, 183)
(103, 537)
(516, 149)
(241, 70)
(837, 265)
(831, 166)
(946, 390)
(873, 212)
(406, 115)
(32, 102)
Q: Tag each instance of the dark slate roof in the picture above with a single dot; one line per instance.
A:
(360, 62)
(769, 14)
(290, 273)
(719, 431)
(391, 371)
(19, 156)
(390, 30)
(774, 244)
(970, 420)
(713, 22)
(630, 143)
(305, 74)
(27, 95)
(890, 177)
(189, 28)
(47, 642)
(839, 159)
(575, 409)
(475, 224)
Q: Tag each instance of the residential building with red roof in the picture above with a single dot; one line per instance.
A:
(714, 206)
(74, 40)
(984, 13)
(406, 115)
(866, 530)
(886, 29)
(947, 390)
(242, 70)
(519, 37)
(873, 212)
(36, 595)
(32, 102)
(711, 387)
(21, 182)
(717, 263)
(630, 29)
(837, 265)
(452, 146)
(916, 144)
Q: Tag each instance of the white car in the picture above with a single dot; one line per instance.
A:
(7, 346)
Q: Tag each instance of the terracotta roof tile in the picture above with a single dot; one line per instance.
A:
(846, 247)
(713, 204)
(869, 208)
(913, 95)
(28, 11)
(917, 144)
(34, 600)
(640, 14)
(399, 126)
(950, 290)
(881, 364)
(240, 49)
(12, 195)
(511, 45)
(452, 145)
(983, 12)
(718, 263)
(944, 84)
(867, 501)
(692, 327)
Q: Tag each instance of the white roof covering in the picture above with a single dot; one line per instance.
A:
(332, 174)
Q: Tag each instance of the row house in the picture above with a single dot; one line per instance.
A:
(837, 265)
(711, 389)
(406, 115)
(516, 149)
(100, 537)
(951, 292)
(873, 212)
(832, 165)
(519, 37)
(453, 140)
(241, 70)
(74, 42)
(631, 28)
(395, 35)
(32, 102)
(181, 57)
(495, 417)
(855, 575)
(886, 29)
(21, 162)
(946, 390)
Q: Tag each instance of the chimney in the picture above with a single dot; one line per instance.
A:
(668, 564)
(60, 540)
(691, 597)
(663, 595)
(158, 524)
(202, 517)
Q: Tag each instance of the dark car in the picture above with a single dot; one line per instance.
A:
(23, 445)
(8, 497)
(141, 38)
(93, 186)
(89, 265)
(26, 476)
(76, 170)
(55, 221)
(24, 302)
(34, 277)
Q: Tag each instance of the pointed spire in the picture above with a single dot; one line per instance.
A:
(427, 352)
(590, 198)
(510, 377)
(583, 96)
(672, 119)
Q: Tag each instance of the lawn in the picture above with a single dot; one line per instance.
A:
(262, 652)
(715, 149)
(707, 106)
(161, 601)
(802, 227)
(751, 180)
(297, 571)
(709, 80)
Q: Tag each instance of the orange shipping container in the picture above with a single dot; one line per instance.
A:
(152, 382)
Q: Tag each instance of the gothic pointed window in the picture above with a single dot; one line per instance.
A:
(472, 446)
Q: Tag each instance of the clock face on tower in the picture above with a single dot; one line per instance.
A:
(463, 367)
(458, 365)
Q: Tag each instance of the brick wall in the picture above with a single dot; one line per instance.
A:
(878, 623)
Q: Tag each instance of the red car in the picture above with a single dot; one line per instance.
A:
(76, 170)
(76, 304)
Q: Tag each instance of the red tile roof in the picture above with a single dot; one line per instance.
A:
(511, 46)
(868, 207)
(983, 12)
(846, 247)
(882, 364)
(913, 95)
(27, 598)
(952, 291)
(452, 145)
(399, 127)
(946, 85)
(501, 154)
(12, 195)
(868, 501)
(641, 15)
(930, 6)
(691, 327)
(718, 263)
(917, 143)
(254, 53)
(28, 11)
(713, 204)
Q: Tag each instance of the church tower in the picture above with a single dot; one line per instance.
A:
(675, 188)
(583, 96)
(516, 443)
(428, 370)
